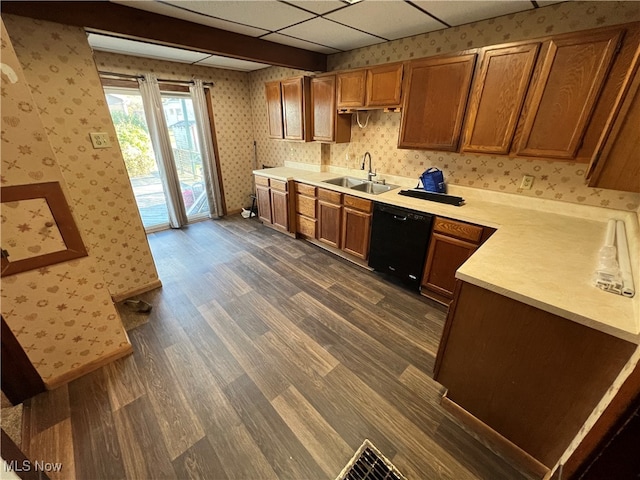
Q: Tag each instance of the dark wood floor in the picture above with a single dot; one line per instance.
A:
(264, 357)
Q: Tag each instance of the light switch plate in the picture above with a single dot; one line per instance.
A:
(100, 139)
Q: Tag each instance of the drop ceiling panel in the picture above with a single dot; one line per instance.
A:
(231, 63)
(459, 13)
(390, 20)
(181, 13)
(141, 49)
(296, 42)
(318, 6)
(326, 32)
(260, 14)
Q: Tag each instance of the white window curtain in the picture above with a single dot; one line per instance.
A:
(159, 134)
(212, 182)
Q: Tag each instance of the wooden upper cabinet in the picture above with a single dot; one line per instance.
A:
(434, 102)
(566, 84)
(274, 109)
(351, 89)
(295, 116)
(384, 86)
(375, 87)
(327, 125)
(497, 97)
(617, 166)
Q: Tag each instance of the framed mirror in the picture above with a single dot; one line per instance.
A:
(37, 228)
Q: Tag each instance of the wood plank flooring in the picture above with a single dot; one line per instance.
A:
(264, 357)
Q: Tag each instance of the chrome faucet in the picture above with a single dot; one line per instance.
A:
(370, 174)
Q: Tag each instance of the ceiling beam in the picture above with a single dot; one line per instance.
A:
(134, 24)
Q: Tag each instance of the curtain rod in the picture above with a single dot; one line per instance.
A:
(160, 80)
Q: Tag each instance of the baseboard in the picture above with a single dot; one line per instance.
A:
(137, 291)
(71, 375)
(498, 444)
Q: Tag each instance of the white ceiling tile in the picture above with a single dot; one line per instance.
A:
(181, 13)
(261, 14)
(318, 6)
(141, 49)
(388, 19)
(461, 12)
(231, 63)
(326, 32)
(296, 42)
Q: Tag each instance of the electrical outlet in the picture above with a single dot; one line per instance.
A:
(527, 182)
(100, 139)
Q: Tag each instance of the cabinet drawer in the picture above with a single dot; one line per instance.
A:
(305, 189)
(306, 206)
(306, 226)
(358, 203)
(278, 185)
(329, 196)
(262, 180)
(457, 229)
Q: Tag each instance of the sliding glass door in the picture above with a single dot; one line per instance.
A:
(128, 116)
(181, 122)
(129, 120)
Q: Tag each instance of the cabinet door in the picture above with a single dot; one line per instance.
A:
(356, 229)
(434, 102)
(264, 203)
(564, 92)
(618, 165)
(280, 209)
(384, 86)
(293, 108)
(327, 125)
(323, 106)
(497, 98)
(351, 89)
(445, 256)
(329, 216)
(274, 109)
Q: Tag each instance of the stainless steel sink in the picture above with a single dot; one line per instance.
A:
(347, 182)
(361, 185)
(374, 188)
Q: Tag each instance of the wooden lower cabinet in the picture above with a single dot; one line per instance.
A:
(446, 255)
(452, 242)
(329, 221)
(356, 226)
(274, 208)
(264, 203)
(306, 214)
(280, 209)
(529, 375)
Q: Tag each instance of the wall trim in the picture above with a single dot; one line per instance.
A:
(71, 375)
(137, 291)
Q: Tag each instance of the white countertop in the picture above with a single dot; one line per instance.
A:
(543, 254)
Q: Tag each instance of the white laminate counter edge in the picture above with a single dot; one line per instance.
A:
(543, 254)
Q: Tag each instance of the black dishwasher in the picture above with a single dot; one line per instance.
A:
(399, 240)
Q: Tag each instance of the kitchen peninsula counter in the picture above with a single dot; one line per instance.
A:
(543, 254)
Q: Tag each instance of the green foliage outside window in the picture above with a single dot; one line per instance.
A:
(134, 143)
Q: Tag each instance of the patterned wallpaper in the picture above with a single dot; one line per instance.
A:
(232, 115)
(59, 67)
(555, 180)
(62, 315)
